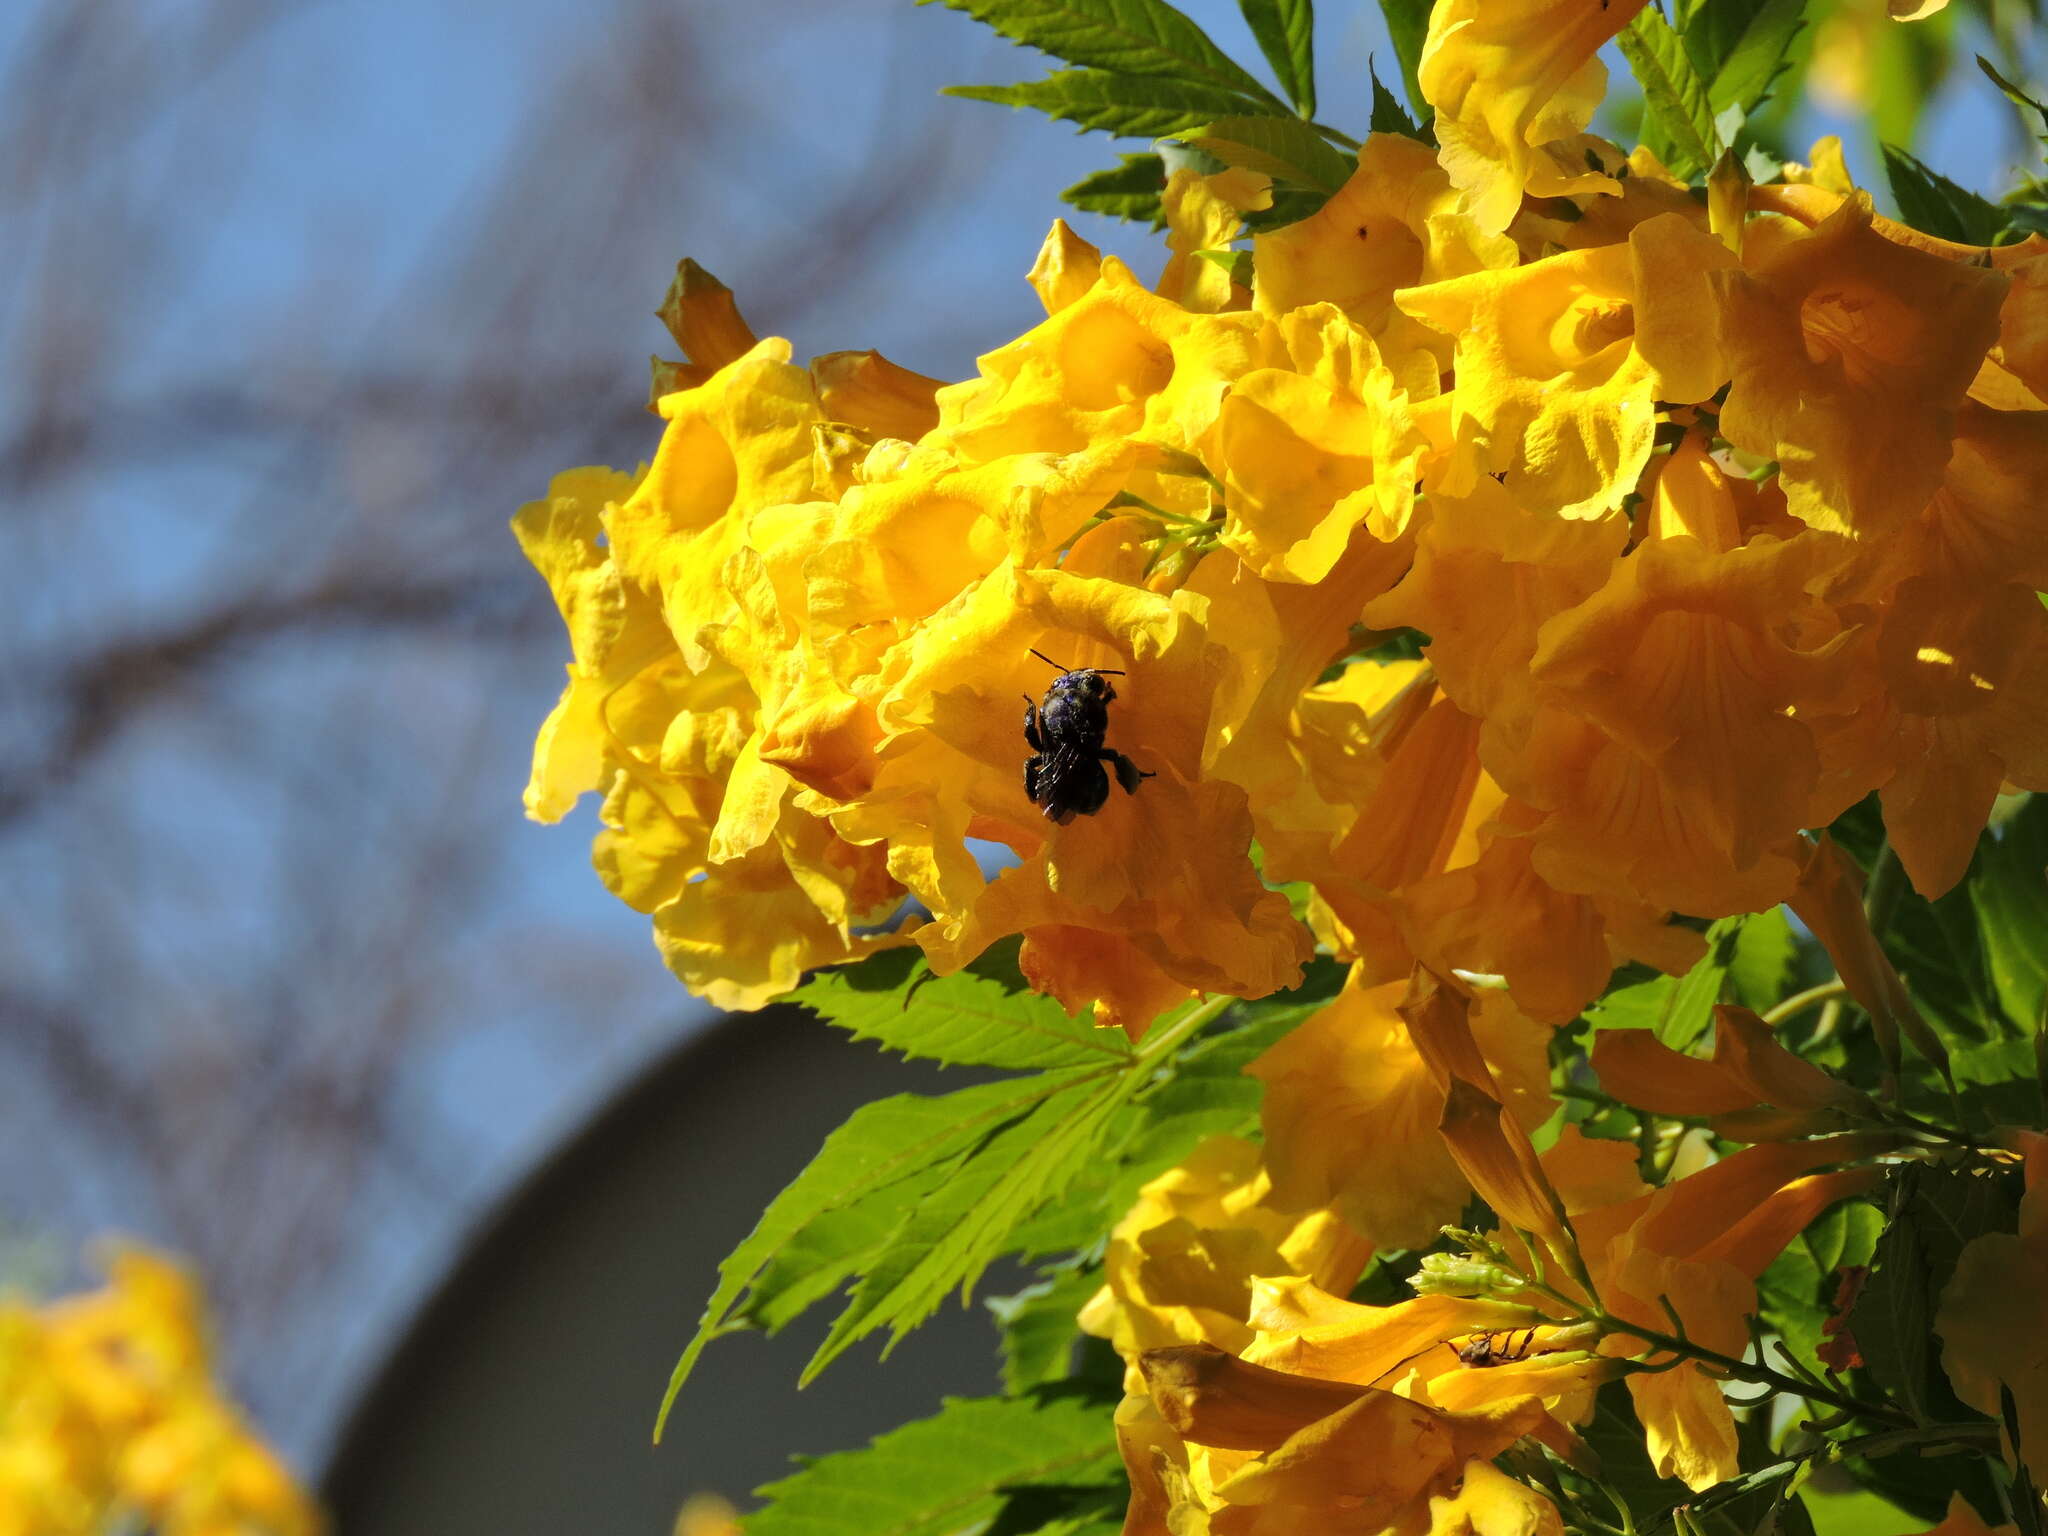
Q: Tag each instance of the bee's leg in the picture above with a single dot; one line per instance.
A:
(1032, 738)
(1031, 765)
(1128, 773)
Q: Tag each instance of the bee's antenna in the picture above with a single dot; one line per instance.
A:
(1047, 659)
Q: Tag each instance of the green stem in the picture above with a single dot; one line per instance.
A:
(1756, 1373)
(1799, 1002)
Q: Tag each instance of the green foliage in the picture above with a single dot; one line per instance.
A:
(1678, 114)
(1929, 201)
(1388, 116)
(1039, 1327)
(1748, 960)
(1124, 37)
(1134, 189)
(1408, 28)
(1763, 960)
(982, 1016)
(914, 1196)
(1286, 33)
(958, 1470)
(1801, 1288)
(2008, 892)
(1742, 48)
(1133, 106)
(1932, 1214)
(1282, 147)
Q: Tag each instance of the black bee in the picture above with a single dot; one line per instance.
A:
(1065, 774)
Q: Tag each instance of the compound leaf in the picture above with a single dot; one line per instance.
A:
(1678, 114)
(1285, 148)
(952, 1472)
(977, 1016)
(1127, 37)
(1930, 202)
(1286, 33)
(1130, 106)
(1132, 190)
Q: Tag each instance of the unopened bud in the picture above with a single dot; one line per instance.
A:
(1457, 1274)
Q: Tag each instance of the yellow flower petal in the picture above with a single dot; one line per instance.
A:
(1506, 76)
(1850, 357)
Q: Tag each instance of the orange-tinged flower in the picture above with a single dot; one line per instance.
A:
(745, 933)
(1828, 899)
(1670, 750)
(1963, 1520)
(1351, 1110)
(704, 318)
(1324, 1456)
(1491, 569)
(1964, 668)
(1753, 1089)
(1507, 77)
(1485, 1138)
(1167, 867)
(1993, 1322)
(1850, 356)
(1698, 1245)
(866, 390)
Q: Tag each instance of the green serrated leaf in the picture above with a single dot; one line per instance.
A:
(950, 1236)
(1133, 190)
(1387, 113)
(1934, 205)
(951, 1472)
(971, 1017)
(1678, 113)
(1129, 106)
(1126, 37)
(1742, 48)
(1286, 34)
(1285, 148)
(2008, 890)
(1408, 28)
(1800, 1287)
(1040, 1326)
(1934, 1213)
(1761, 966)
(907, 1140)
(1208, 1095)
(1998, 1082)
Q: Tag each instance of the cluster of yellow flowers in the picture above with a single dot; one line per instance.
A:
(108, 1418)
(1717, 514)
